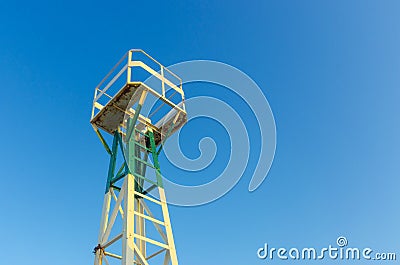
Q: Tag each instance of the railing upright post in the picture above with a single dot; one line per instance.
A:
(129, 69)
(162, 81)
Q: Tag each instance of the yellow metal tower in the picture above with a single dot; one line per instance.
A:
(135, 227)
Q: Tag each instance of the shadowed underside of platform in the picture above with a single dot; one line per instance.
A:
(112, 115)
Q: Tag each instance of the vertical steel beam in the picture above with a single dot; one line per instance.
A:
(168, 228)
(128, 244)
(140, 227)
(103, 225)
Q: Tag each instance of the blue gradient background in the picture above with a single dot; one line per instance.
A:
(331, 73)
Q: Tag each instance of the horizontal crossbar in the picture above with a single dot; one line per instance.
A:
(147, 197)
(150, 218)
(151, 241)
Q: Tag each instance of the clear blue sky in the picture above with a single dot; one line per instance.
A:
(331, 73)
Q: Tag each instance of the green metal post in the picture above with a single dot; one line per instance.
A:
(155, 158)
(113, 160)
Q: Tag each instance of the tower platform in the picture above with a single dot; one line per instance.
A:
(118, 94)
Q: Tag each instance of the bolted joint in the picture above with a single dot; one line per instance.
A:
(98, 247)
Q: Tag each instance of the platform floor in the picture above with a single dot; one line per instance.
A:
(112, 115)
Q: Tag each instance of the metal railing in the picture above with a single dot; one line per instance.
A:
(125, 68)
